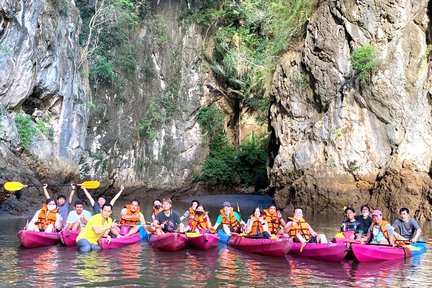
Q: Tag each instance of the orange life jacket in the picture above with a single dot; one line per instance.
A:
(191, 213)
(156, 211)
(384, 231)
(231, 221)
(257, 226)
(299, 227)
(199, 221)
(132, 221)
(273, 221)
(43, 219)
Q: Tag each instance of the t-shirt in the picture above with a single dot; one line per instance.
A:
(88, 233)
(351, 226)
(64, 212)
(406, 229)
(364, 223)
(170, 222)
(74, 217)
(378, 235)
(219, 219)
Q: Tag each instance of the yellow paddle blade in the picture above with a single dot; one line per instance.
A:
(90, 184)
(339, 235)
(13, 186)
(193, 234)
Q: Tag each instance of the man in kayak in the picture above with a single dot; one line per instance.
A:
(351, 224)
(46, 219)
(191, 211)
(131, 219)
(200, 222)
(78, 218)
(380, 232)
(97, 207)
(276, 224)
(231, 221)
(168, 221)
(409, 229)
(300, 231)
(62, 205)
(257, 225)
(100, 225)
(365, 221)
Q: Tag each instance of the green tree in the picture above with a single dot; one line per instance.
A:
(364, 61)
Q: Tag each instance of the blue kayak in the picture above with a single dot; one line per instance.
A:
(223, 237)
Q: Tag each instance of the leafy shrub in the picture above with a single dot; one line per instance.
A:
(101, 71)
(364, 61)
(26, 129)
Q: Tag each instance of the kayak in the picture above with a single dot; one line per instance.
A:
(223, 237)
(32, 239)
(119, 242)
(168, 241)
(374, 253)
(334, 252)
(68, 237)
(203, 241)
(277, 247)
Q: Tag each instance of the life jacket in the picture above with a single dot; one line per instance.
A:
(273, 221)
(43, 219)
(232, 221)
(132, 221)
(191, 213)
(200, 222)
(156, 211)
(299, 227)
(257, 226)
(384, 231)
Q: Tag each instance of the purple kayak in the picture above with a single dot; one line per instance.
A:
(278, 247)
(32, 239)
(334, 252)
(68, 237)
(119, 242)
(374, 253)
(203, 241)
(168, 241)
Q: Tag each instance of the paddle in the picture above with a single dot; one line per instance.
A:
(16, 186)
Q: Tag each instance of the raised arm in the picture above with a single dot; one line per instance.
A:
(117, 195)
(72, 192)
(89, 197)
(45, 186)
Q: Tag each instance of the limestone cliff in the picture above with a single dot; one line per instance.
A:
(339, 141)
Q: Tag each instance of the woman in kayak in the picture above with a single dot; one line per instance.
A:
(46, 219)
(157, 207)
(257, 225)
(190, 213)
(201, 222)
(97, 206)
(380, 232)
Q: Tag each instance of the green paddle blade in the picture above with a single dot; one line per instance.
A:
(90, 184)
(13, 186)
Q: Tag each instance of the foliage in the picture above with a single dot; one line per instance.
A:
(101, 71)
(364, 61)
(47, 131)
(26, 129)
(153, 117)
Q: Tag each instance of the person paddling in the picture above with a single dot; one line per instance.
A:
(62, 205)
(409, 229)
(46, 219)
(300, 231)
(380, 232)
(257, 225)
(77, 218)
(100, 225)
(168, 221)
(231, 221)
(130, 219)
(97, 207)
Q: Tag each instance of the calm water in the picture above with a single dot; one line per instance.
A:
(141, 265)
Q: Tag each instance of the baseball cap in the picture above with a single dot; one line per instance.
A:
(226, 203)
(377, 213)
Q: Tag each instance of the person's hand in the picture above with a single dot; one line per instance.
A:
(121, 188)
(108, 239)
(73, 187)
(45, 185)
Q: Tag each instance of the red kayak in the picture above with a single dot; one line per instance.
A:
(374, 253)
(168, 241)
(32, 239)
(68, 237)
(203, 241)
(119, 242)
(278, 247)
(334, 252)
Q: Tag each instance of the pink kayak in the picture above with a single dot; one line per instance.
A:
(119, 242)
(68, 237)
(334, 252)
(32, 239)
(168, 241)
(373, 253)
(278, 247)
(203, 241)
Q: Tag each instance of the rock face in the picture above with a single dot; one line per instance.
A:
(339, 141)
